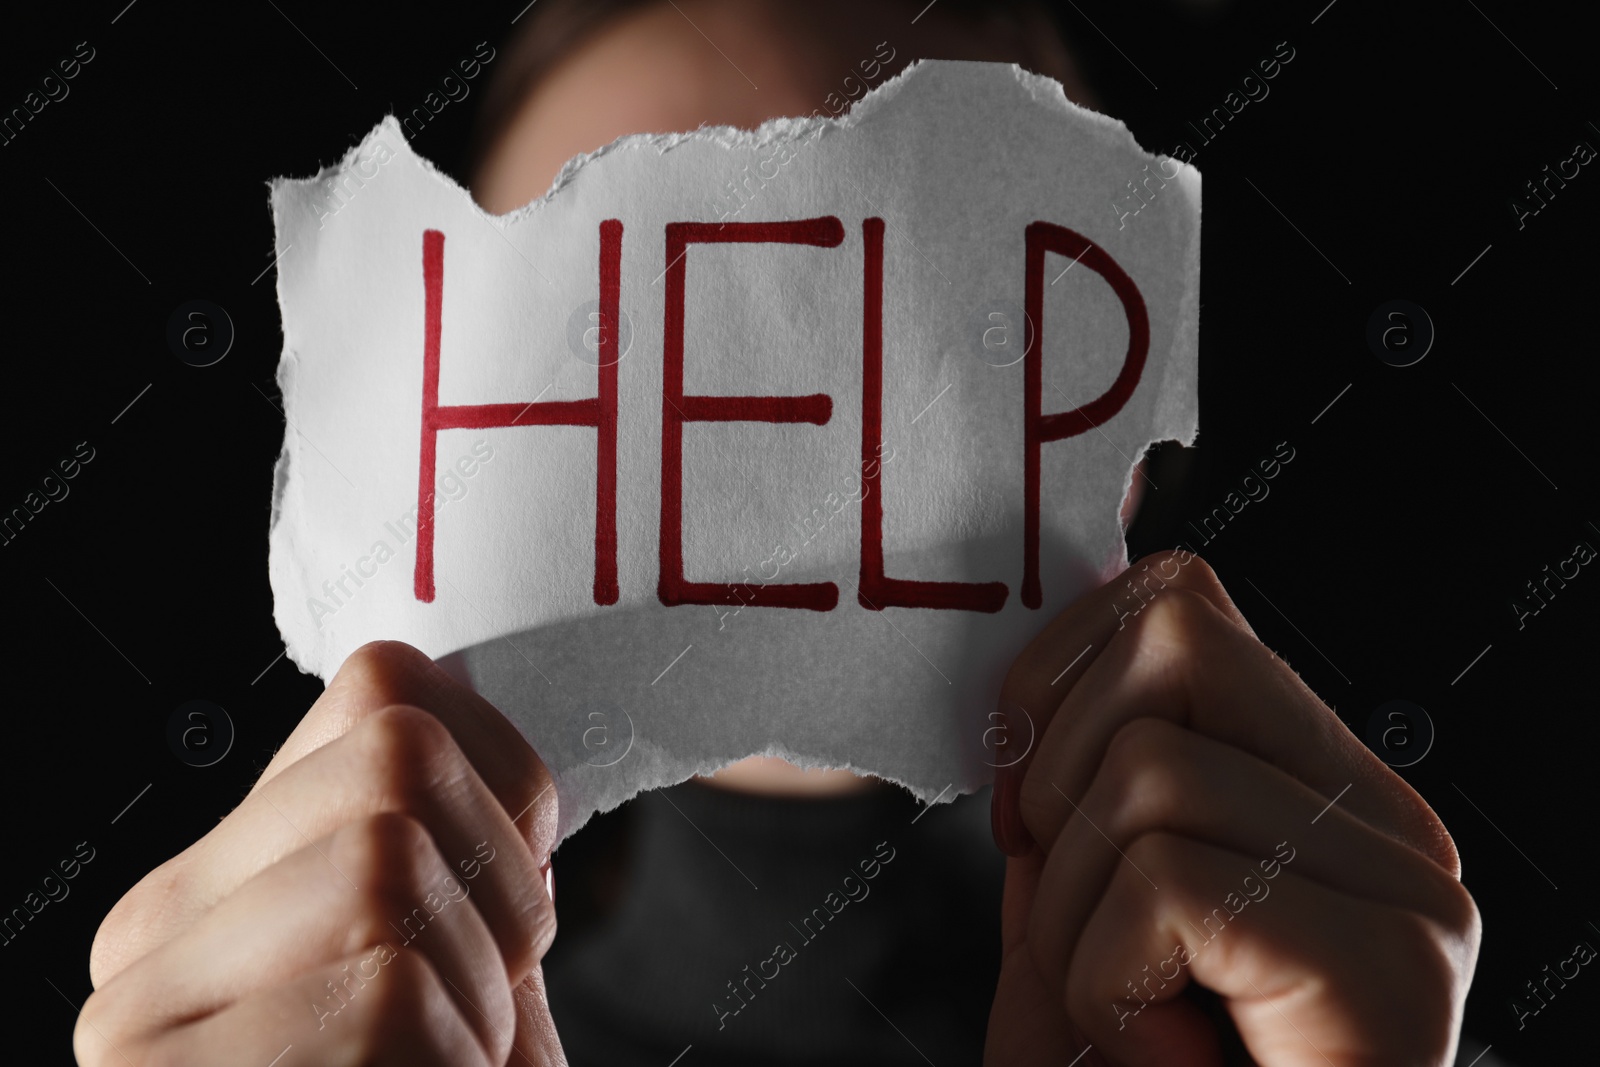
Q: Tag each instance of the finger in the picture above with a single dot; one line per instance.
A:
(1159, 777)
(1046, 671)
(1182, 660)
(401, 1014)
(385, 673)
(376, 881)
(1295, 968)
(399, 760)
(537, 1044)
(376, 676)
(1027, 1022)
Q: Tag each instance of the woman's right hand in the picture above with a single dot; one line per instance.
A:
(379, 896)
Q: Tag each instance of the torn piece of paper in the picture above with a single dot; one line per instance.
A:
(780, 442)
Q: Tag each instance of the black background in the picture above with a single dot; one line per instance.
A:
(1395, 541)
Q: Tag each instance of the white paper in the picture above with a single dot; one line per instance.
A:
(957, 159)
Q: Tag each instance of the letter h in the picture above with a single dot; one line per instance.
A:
(599, 411)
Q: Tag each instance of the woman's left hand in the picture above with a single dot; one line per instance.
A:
(1191, 813)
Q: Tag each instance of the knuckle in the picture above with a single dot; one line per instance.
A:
(126, 930)
(382, 848)
(1145, 773)
(1137, 743)
(1429, 956)
(410, 981)
(89, 1040)
(386, 668)
(406, 753)
(1154, 854)
(375, 676)
(110, 1027)
(1178, 566)
(406, 997)
(388, 857)
(1041, 806)
(1459, 913)
(1201, 573)
(1170, 632)
(1412, 935)
(1177, 614)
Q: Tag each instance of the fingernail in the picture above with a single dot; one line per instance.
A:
(1005, 802)
(549, 872)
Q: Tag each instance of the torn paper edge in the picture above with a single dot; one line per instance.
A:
(1045, 91)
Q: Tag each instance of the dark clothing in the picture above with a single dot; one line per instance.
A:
(787, 930)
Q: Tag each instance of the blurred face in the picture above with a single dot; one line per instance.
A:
(671, 67)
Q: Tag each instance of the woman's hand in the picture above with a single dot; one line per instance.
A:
(1192, 814)
(379, 896)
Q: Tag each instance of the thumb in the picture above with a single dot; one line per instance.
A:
(536, 1042)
